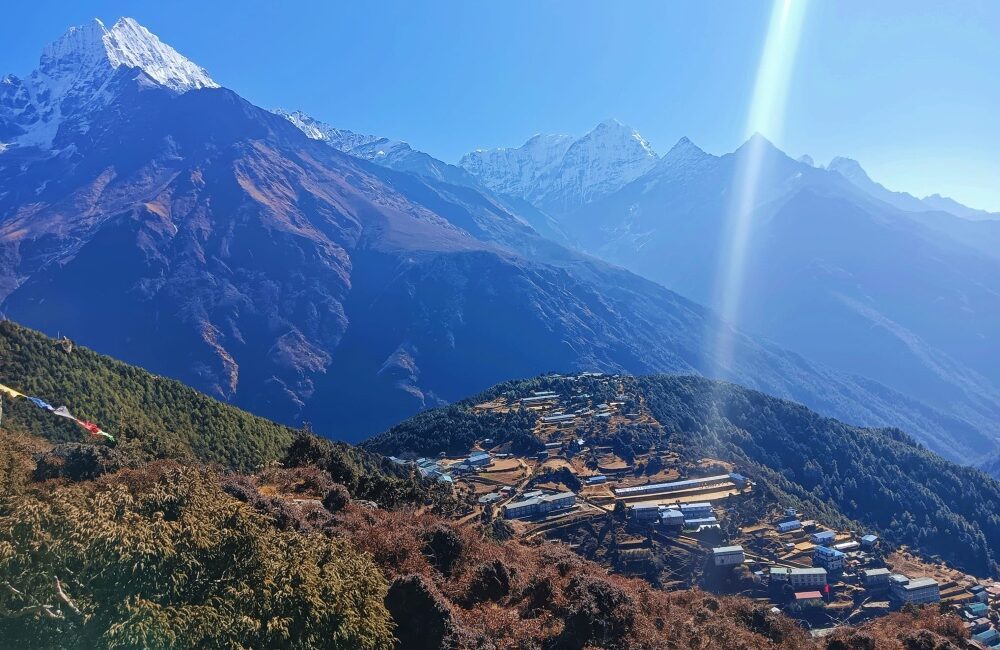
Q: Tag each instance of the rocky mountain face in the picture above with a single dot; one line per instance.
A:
(557, 173)
(190, 232)
(217, 247)
(400, 156)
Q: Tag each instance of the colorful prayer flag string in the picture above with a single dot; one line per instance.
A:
(62, 411)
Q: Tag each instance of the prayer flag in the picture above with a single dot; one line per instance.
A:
(40, 403)
(10, 391)
(63, 412)
(90, 426)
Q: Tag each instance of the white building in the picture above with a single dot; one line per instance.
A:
(779, 573)
(671, 517)
(674, 486)
(815, 577)
(645, 512)
(539, 505)
(869, 541)
(702, 522)
(829, 558)
(789, 526)
(479, 459)
(696, 510)
(875, 578)
(822, 537)
(728, 555)
(914, 591)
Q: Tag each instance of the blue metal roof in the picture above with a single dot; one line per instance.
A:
(828, 552)
(987, 637)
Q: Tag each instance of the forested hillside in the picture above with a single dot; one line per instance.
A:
(879, 478)
(154, 418)
(165, 415)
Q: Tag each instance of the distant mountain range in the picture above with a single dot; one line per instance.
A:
(842, 270)
(157, 217)
(852, 171)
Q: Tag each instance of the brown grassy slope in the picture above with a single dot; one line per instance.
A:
(514, 595)
(284, 557)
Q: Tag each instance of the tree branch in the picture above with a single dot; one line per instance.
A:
(47, 610)
(66, 599)
(9, 587)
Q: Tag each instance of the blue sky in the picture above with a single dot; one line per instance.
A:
(909, 88)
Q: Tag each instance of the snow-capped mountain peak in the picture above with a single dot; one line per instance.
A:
(360, 145)
(130, 44)
(612, 129)
(850, 169)
(558, 172)
(514, 171)
(684, 154)
(92, 48)
(74, 72)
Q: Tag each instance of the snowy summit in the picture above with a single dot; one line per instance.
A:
(77, 71)
(559, 172)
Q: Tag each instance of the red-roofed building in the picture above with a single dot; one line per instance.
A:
(805, 599)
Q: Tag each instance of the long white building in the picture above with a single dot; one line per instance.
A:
(539, 504)
(815, 577)
(675, 486)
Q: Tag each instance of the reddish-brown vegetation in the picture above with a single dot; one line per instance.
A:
(433, 583)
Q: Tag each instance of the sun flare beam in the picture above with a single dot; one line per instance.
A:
(765, 116)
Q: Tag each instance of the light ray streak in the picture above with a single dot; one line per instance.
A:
(766, 116)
